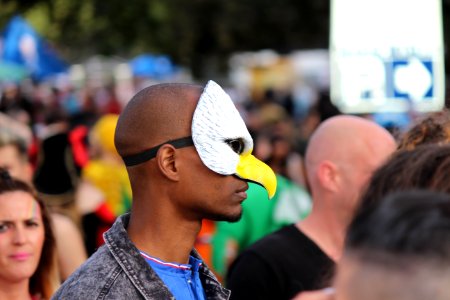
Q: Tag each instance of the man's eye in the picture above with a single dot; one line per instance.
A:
(237, 145)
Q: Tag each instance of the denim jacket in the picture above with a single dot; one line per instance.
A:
(118, 271)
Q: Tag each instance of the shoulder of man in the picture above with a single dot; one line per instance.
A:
(95, 279)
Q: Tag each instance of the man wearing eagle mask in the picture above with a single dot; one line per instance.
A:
(188, 157)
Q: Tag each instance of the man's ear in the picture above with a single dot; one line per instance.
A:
(166, 161)
(328, 176)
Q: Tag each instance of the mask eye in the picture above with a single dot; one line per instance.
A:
(237, 145)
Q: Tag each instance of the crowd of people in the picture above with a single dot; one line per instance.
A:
(185, 193)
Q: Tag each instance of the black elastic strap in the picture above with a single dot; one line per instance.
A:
(135, 159)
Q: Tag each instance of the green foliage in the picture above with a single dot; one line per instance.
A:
(193, 33)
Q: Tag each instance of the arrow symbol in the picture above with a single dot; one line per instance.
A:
(413, 78)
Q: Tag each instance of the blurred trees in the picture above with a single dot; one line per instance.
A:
(194, 33)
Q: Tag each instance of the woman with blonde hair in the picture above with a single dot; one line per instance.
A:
(28, 266)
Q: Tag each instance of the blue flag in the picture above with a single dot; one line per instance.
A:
(23, 46)
(152, 66)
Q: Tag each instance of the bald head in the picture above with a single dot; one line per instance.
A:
(353, 148)
(156, 114)
(347, 137)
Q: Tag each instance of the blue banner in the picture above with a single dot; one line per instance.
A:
(23, 46)
(152, 66)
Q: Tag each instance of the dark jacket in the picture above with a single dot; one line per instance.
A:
(118, 271)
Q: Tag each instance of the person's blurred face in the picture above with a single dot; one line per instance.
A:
(398, 278)
(357, 279)
(17, 167)
(22, 236)
(11, 92)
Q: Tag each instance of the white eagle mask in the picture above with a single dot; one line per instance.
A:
(223, 141)
(216, 127)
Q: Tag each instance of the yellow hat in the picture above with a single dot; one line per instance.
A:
(104, 130)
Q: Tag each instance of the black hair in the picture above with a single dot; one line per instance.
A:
(425, 167)
(9, 184)
(413, 222)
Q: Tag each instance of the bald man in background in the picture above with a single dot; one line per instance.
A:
(340, 158)
(188, 157)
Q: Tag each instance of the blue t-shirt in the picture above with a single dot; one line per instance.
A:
(182, 280)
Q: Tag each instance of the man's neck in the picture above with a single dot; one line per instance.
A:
(326, 231)
(169, 241)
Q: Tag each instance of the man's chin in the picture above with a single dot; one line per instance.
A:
(227, 218)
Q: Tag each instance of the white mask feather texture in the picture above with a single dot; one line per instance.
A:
(215, 121)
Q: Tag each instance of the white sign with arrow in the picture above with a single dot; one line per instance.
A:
(382, 59)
